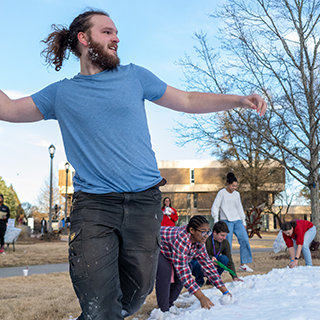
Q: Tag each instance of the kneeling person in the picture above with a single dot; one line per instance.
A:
(178, 246)
(218, 248)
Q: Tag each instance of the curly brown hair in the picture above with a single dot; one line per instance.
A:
(64, 40)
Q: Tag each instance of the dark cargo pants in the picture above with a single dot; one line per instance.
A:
(113, 251)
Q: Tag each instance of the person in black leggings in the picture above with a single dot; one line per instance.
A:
(4, 216)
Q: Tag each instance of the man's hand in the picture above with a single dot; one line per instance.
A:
(254, 101)
(237, 279)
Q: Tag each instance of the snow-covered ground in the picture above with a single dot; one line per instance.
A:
(286, 294)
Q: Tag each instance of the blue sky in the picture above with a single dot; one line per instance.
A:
(153, 34)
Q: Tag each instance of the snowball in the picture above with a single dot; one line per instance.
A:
(226, 299)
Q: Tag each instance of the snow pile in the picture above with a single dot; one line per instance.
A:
(289, 294)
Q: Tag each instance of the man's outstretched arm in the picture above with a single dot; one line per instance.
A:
(20, 110)
(201, 102)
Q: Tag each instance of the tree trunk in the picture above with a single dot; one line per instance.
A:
(314, 172)
(279, 220)
(314, 192)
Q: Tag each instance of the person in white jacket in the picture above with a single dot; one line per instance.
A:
(228, 204)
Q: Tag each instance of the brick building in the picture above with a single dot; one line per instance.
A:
(65, 185)
(193, 184)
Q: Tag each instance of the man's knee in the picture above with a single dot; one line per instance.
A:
(138, 299)
(137, 280)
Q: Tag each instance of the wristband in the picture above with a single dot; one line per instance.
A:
(291, 260)
(296, 258)
(226, 292)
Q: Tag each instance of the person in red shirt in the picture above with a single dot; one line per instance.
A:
(170, 215)
(298, 234)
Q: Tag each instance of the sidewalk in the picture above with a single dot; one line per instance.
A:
(40, 269)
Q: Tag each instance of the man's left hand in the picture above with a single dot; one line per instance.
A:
(254, 101)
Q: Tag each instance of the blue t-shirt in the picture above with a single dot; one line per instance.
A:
(104, 127)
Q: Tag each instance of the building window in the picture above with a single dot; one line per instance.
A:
(191, 176)
(195, 200)
(188, 200)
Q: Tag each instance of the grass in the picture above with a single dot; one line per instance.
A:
(51, 296)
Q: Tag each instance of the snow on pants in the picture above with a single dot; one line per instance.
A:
(113, 251)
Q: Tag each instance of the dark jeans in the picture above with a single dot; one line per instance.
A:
(198, 273)
(166, 291)
(3, 228)
(113, 251)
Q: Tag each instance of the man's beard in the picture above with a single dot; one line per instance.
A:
(100, 57)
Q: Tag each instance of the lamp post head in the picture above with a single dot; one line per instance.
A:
(67, 166)
(52, 150)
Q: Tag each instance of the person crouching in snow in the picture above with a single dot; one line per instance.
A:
(218, 249)
(179, 245)
(298, 234)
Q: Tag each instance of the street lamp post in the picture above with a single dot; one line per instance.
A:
(67, 166)
(52, 150)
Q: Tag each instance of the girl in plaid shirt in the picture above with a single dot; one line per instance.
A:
(178, 246)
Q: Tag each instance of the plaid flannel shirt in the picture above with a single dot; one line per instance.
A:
(179, 250)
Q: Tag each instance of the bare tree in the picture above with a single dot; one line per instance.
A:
(237, 146)
(44, 196)
(272, 48)
(285, 202)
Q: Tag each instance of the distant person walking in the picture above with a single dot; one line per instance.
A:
(170, 215)
(298, 234)
(228, 204)
(4, 216)
(43, 225)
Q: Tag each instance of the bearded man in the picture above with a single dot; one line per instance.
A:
(116, 211)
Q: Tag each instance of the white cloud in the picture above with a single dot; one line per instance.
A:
(13, 94)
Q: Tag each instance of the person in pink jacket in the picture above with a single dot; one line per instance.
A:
(298, 234)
